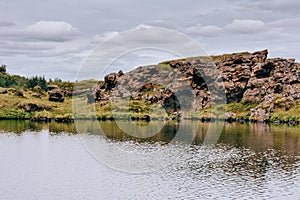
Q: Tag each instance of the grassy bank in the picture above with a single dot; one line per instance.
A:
(13, 106)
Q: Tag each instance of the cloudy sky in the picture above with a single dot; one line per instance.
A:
(54, 38)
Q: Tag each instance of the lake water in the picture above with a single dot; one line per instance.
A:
(53, 161)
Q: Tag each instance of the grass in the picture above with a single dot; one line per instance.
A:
(86, 84)
(9, 106)
(137, 109)
(286, 116)
(241, 109)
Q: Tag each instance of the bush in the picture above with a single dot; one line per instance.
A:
(37, 81)
(3, 69)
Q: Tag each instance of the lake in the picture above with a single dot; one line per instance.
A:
(80, 161)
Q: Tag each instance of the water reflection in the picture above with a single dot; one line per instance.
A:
(257, 136)
(255, 161)
(113, 132)
(19, 126)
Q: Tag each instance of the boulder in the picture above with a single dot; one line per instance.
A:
(32, 107)
(56, 95)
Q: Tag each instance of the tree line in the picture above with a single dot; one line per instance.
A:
(20, 82)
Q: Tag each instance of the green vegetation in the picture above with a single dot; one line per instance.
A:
(287, 116)
(20, 82)
(11, 106)
(164, 66)
(135, 109)
(3, 69)
(85, 84)
(241, 109)
(60, 83)
(37, 81)
(12, 81)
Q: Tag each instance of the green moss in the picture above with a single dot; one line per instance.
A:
(282, 115)
(164, 66)
(242, 109)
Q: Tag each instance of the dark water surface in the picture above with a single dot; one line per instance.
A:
(52, 161)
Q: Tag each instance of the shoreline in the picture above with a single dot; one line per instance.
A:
(204, 119)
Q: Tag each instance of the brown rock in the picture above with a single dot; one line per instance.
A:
(56, 95)
(32, 107)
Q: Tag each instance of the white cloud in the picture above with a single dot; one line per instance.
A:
(207, 31)
(58, 31)
(245, 26)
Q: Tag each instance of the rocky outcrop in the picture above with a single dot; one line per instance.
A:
(102, 92)
(56, 95)
(66, 90)
(32, 107)
(247, 77)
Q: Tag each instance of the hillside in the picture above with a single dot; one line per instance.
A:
(255, 87)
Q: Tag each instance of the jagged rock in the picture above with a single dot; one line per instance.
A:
(56, 95)
(253, 95)
(111, 79)
(102, 91)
